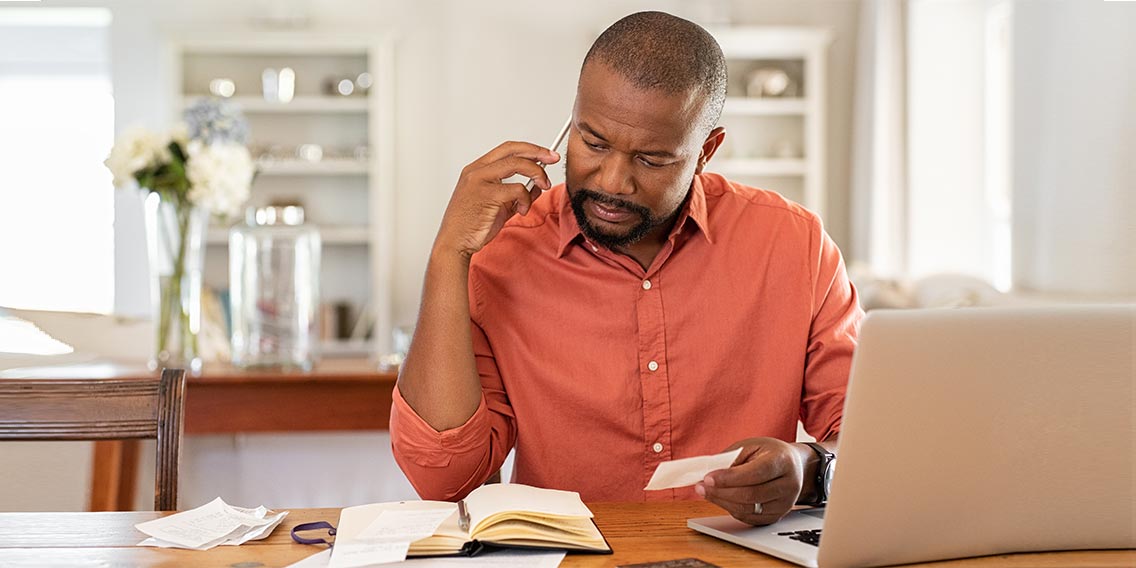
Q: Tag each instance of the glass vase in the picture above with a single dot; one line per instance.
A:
(175, 235)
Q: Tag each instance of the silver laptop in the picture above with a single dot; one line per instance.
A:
(974, 432)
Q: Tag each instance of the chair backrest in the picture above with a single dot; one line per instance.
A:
(102, 409)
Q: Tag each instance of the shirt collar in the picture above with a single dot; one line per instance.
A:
(694, 211)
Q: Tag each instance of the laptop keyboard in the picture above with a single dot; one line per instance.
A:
(808, 537)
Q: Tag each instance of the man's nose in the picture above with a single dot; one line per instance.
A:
(615, 175)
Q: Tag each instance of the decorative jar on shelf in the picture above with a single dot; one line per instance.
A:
(274, 265)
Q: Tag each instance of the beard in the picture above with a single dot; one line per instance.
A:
(611, 240)
(578, 197)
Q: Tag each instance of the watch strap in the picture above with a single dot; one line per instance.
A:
(822, 469)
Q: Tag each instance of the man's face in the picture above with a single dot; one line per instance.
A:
(631, 157)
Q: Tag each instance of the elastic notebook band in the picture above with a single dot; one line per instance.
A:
(311, 527)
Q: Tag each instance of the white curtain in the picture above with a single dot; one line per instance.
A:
(879, 148)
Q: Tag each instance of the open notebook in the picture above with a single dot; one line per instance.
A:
(500, 516)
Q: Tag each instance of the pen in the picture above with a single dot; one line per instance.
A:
(463, 516)
(553, 146)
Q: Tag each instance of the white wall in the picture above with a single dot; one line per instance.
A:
(1074, 172)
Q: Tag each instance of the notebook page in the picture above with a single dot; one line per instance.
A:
(489, 500)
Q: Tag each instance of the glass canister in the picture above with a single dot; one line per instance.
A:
(274, 267)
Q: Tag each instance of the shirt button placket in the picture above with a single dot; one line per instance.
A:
(655, 387)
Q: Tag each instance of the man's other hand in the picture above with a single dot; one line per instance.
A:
(768, 472)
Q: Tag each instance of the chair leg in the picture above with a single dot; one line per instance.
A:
(113, 475)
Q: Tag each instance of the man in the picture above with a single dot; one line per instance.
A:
(642, 312)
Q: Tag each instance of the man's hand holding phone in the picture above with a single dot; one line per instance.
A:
(482, 201)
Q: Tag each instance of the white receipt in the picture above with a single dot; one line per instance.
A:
(688, 471)
(403, 526)
(209, 525)
(387, 539)
(358, 553)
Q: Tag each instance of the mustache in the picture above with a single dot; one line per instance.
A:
(605, 199)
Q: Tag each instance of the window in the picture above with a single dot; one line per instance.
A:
(56, 128)
(958, 139)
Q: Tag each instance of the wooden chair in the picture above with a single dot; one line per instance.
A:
(102, 409)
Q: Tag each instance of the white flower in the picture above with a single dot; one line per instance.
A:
(180, 134)
(135, 150)
(219, 176)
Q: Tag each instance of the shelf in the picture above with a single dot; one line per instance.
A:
(328, 236)
(302, 168)
(346, 347)
(345, 235)
(303, 104)
(226, 42)
(747, 106)
(759, 166)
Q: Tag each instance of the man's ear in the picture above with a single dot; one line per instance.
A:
(713, 142)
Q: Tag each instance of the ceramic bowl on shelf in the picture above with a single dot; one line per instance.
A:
(771, 82)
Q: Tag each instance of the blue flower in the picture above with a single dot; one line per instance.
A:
(214, 121)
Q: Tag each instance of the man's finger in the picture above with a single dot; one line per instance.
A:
(510, 166)
(525, 150)
(771, 511)
(781, 488)
(760, 467)
(514, 197)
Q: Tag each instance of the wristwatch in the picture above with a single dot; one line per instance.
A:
(825, 468)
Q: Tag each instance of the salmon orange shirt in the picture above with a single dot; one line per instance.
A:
(596, 370)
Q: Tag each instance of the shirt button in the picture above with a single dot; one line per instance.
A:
(653, 366)
(646, 284)
(657, 447)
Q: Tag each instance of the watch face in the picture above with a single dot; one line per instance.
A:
(828, 472)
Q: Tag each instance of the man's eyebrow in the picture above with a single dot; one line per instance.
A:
(584, 126)
(657, 153)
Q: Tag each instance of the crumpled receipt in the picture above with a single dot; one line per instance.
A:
(215, 523)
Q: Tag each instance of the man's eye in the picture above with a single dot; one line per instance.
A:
(649, 163)
(593, 146)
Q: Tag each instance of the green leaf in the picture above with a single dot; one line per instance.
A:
(177, 153)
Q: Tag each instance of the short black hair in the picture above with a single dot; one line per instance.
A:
(655, 50)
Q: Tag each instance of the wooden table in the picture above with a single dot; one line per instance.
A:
(338, 395)
(637, 532)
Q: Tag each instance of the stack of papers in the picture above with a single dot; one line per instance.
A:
(213, 524)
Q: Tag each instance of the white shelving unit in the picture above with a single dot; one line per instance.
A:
(747, 106)
(298, 105)
(350, 200)
(760, 129)
(320, 168)
(761, 167)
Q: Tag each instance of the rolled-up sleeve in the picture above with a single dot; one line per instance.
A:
(448, 465)
(832, 339)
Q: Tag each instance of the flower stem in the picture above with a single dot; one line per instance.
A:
(172, 309)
